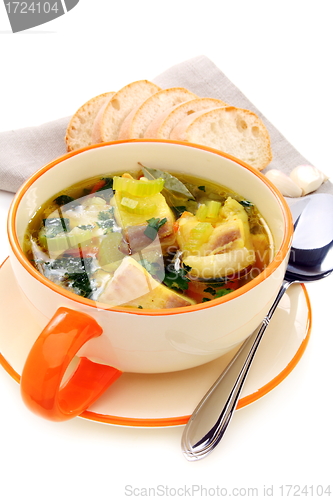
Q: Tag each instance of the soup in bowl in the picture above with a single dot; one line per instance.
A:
(141, 256)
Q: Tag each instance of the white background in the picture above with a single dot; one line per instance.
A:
(279, 53)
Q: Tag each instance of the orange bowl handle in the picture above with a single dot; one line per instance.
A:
(41, 381)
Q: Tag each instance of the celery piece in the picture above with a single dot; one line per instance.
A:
(139, 206)
(129, 204)
(201, 213)
(171, 183)
(209, 211)
(198, 236)
(136, 187)
(109, 255)
(213, 208)
(62, 241)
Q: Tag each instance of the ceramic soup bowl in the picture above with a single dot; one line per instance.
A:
(107, 341)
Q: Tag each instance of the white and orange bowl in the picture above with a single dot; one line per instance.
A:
(152, 341)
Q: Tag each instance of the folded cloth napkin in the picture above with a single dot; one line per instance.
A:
(24, 151)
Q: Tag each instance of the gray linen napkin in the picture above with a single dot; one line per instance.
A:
(24, 151)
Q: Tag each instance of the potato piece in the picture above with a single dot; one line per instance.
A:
(220, 265)
(125, 218)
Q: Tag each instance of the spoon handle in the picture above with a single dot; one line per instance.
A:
(210, 419)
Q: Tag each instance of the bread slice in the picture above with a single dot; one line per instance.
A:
(79, 130)
(161, 127)
(238, 132)
(96, 134)
(135, 125)
(126, 99)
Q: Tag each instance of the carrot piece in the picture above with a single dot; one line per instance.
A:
(98, 186)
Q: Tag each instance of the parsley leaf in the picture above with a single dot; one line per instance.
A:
(107, 221)
(77, 273)
(216, 294)
(210, 290)
(80, 282)
(63, 199)
(85, 227)
(106, 215)
(222, 292)
(72, 264)
(177, 278)
(246, 203)
(55, 225)
(73, 272)
(154, 225)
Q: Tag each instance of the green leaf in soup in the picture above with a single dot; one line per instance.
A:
(154, 225)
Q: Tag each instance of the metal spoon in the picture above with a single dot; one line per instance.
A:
(311, 258)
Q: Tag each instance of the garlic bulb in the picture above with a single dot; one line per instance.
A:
(284, 183)
(308, 178)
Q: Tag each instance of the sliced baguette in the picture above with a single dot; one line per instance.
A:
(235, 131)
(161, 127)
(79, 130)
(135, 125)
(96, 134)
(121, 104)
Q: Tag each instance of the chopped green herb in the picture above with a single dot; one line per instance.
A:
(222, 292)
(107, 221)
(80, 282)
(140, 307)
(154, 225)
(55, 225)
(216, 293)
(210, 290)
(177, 278)
(63, 199)
(77, 271)
(86, 227)
(106, 214)
(246, 203)
(71, 264)
(202, 188)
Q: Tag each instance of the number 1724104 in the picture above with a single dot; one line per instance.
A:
(32, 7)
(296, 490)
